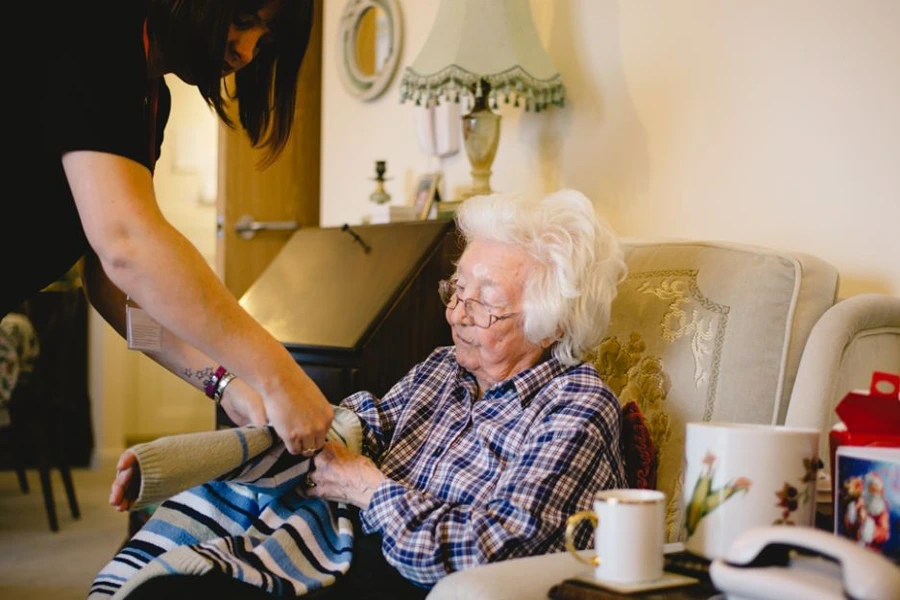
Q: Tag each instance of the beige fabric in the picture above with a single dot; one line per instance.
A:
(520, 579)
(855, 337)
(165, 471)
(706, 331)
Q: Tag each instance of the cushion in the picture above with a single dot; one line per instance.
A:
(638, 449)
(19, 349)
(708, 331)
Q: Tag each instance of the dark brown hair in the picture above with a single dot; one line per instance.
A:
(192, 35)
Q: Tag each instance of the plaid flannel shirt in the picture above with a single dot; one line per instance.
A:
(473, 481)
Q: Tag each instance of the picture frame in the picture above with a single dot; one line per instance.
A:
(426, 193)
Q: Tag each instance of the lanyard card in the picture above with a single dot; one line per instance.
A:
(142, 332)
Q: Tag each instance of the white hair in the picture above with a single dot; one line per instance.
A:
(568, 297)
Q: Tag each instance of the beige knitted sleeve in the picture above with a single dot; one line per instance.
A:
(176, 463)
(172, 464)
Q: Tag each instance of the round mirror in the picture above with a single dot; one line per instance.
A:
(370, 54)
(369, 46)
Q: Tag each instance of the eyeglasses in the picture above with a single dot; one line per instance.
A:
(478, 313)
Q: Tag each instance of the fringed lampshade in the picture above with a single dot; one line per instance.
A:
(483, 50)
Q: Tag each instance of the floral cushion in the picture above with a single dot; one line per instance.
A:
(638, 449)
(19, 349)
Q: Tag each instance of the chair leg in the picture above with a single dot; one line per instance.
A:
(45, 464)
(47, 487)
(23, 479)
(55, 447)
(70, 489)
(18, 459)
(18, 443)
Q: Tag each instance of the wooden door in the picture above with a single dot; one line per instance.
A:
(288, 190)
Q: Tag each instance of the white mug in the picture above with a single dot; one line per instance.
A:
(629, 531)
(739, 476)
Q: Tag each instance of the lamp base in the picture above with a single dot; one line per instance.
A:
(481, 132)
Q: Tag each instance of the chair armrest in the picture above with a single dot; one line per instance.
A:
(528, 578)
(855, 337)
(516, 579)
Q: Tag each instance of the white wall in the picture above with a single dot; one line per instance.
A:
(773, 122)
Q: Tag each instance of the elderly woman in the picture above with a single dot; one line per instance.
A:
(482, 451)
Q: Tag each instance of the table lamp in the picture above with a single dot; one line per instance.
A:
(483, 50)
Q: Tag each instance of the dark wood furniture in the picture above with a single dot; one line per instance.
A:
(573, 589)
(358, 306)
(50, 409)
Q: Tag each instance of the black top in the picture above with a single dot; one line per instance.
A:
(85, 89)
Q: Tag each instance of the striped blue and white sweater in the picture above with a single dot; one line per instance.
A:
(231, 503)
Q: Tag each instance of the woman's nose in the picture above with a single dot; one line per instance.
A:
(244, 49)
(458, 314)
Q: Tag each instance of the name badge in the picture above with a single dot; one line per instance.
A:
(142, 332)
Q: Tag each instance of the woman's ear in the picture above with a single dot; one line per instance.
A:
(549, 341)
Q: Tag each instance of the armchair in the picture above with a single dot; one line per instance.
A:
(709, 331)
(700, 330)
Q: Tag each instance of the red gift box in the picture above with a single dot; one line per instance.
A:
(868, 418)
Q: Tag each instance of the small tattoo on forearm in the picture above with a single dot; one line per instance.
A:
(204, 376)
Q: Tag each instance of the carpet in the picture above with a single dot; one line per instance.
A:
(38, 564)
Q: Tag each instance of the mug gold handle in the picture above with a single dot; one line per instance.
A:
(571, 523)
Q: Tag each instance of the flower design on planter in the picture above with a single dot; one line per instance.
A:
(790, 498)
(705, 498)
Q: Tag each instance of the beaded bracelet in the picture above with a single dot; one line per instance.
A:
(213, 382)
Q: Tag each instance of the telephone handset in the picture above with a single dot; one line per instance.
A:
(801, 562)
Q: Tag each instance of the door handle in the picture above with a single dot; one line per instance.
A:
(247, 228)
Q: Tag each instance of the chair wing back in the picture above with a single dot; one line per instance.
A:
(855, 337)
(709, 331)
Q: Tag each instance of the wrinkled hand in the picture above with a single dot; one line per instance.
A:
(127, 484)
(342, 475)
(243, 405)
(300, 418)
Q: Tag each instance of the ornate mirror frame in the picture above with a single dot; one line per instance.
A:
(368, 86)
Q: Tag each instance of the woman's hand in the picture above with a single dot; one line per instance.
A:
(343, 476)
(242, 404)
(127, 484)
(300, 414)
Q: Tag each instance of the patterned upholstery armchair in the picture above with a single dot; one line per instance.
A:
(704, 331)
(700, 331)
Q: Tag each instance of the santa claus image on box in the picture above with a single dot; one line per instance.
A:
(867, 514)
